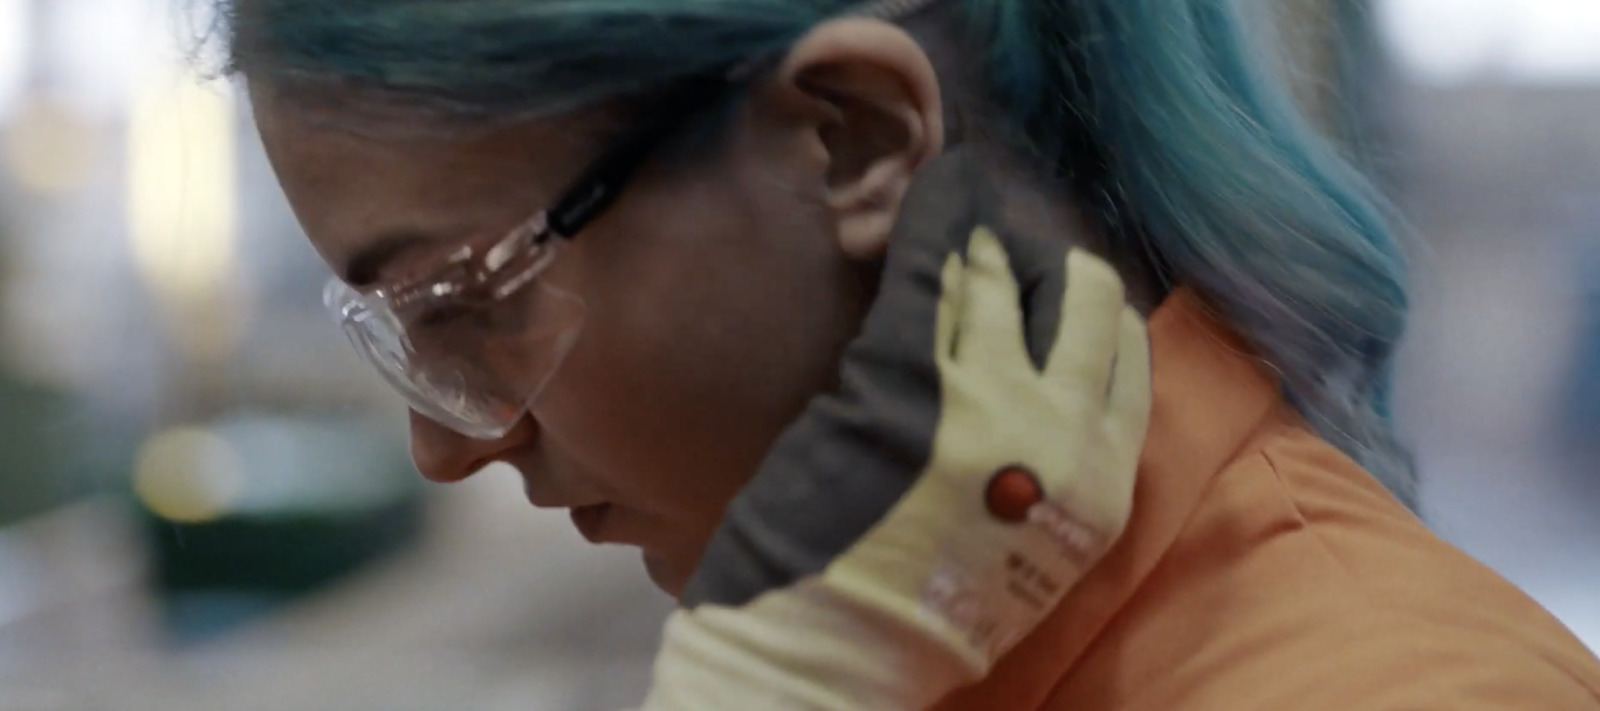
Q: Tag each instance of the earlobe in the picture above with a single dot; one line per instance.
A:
(884, 119)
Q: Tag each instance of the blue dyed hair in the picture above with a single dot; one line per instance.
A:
(1162, 109)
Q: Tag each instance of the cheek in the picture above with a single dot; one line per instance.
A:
(705, 336)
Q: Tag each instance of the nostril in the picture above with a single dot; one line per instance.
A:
(444, 456)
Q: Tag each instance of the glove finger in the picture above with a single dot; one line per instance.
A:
(947, 331)
(1131, 395)
(1087, 340)
(991, 321)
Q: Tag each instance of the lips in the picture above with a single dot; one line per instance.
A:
(589, 513)
(591, 521)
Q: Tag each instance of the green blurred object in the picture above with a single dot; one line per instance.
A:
(251, 512)
(38, 468)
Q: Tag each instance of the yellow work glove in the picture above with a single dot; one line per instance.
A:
(910, 529)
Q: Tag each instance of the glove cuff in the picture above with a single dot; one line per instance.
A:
(803, 648)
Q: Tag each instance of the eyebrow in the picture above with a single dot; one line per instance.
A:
(363, 268)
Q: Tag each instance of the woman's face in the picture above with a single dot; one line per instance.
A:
(719, 292)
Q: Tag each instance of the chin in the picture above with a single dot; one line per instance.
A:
(667, 574)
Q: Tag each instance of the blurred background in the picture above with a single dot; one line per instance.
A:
(205, 502)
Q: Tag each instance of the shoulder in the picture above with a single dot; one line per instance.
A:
(1299, 583)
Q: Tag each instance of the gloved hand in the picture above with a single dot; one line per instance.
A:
(911, 528)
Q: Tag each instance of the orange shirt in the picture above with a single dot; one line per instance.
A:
(1264, 570)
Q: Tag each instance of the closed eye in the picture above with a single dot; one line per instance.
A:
(445, 315)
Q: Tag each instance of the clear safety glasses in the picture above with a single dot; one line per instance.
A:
(472, 343)
(469, 349)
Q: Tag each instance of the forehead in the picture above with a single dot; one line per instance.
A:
(351, 188)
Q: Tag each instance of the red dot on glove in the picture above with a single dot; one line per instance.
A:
(1012, 491)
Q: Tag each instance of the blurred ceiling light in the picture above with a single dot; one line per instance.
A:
(189, 475)
(14, 51)
(48, 146)
(1522, 41)
(181, 205)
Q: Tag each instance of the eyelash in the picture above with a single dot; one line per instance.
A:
(466, 312)
(445, 315)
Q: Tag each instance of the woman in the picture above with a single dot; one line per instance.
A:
(1270, 560)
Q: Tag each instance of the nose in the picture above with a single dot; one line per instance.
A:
(445, 456)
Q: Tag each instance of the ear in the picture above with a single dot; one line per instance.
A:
(868, 95)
